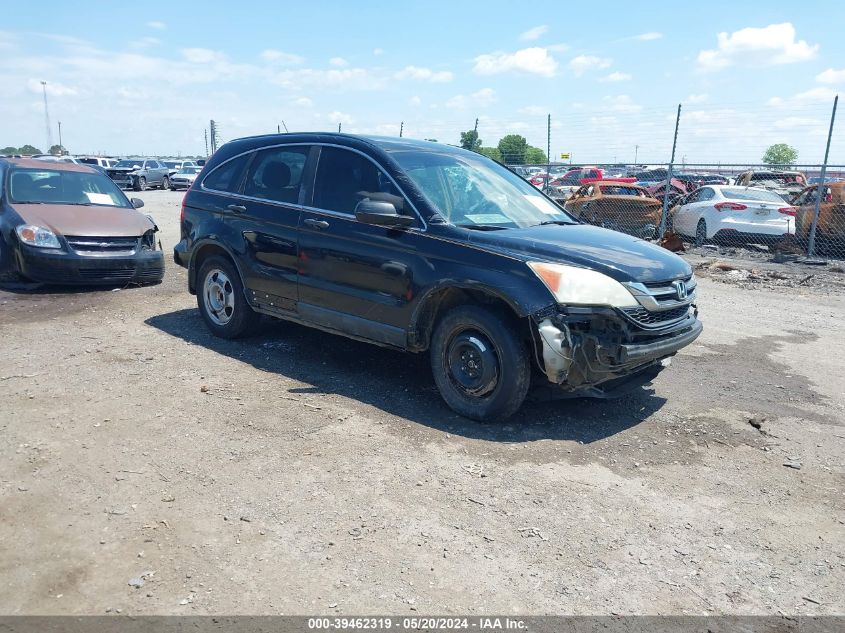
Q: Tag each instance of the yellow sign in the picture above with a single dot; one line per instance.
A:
(565, 156)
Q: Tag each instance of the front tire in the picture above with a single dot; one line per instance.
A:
(140, 184)
(221, 300)
(481, 367)
(8, 270)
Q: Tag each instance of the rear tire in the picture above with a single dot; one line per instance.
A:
(701, 232)
(481, 367)
(221, 300)
(165, 183)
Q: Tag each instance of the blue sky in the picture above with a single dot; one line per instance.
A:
(130, 78)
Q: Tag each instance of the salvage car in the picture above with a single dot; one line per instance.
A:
(70, 224)
(424, 247)
(830, 227)
(618, 206)
(140, 173)
(787, 184)
(184, 178)
(728, 213)
(175, 165)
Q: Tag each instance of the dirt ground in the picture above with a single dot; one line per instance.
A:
(149, 468)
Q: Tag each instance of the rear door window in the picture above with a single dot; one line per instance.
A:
(344, 178)
(276, 174)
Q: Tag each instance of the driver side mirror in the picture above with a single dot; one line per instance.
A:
(380, 213)
(137, 203)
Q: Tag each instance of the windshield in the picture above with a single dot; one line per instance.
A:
(781, 178)
(189, 170)
(172, 164)
(133, 164)
(475, 191)
(53, 186)
(761, 195)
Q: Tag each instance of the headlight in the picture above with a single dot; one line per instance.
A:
(580, 286)
(37, 236)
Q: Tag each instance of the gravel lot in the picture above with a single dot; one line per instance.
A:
(297, 472)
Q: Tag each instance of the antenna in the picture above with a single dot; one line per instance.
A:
(47, 117)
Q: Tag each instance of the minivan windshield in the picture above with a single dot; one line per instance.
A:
(475, 192)
(54, 186)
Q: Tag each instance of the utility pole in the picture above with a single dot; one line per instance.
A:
(213, 133)
(278, 129)
(401, 128)
(47, 117)
(475, 129)
(636, 150)
(338, 127)
(62, 147)
(205, 133)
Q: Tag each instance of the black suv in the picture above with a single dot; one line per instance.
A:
(422, 246)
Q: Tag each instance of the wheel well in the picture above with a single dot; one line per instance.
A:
(441, 301)
(204, 252)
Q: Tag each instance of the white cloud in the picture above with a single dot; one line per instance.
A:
(340, 117)
(415, 100)
(336, 79)
(697, 98)
(616, 76)
(534, 33)
(482, 98)
(281, 58)
(770, 45)
(558, 48)
(338, 62)
(535, 60)
(621, 103)
(378, 51)
(424, 74)
(202, 55)
(831, 76)
(648, 37)
(792, 122)
(158, 26)
(304, 102)
(145, 42)
(54, 88)
(581, 64)
(534, 110)
(814, 95)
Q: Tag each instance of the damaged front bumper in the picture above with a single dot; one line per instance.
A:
(590, 351)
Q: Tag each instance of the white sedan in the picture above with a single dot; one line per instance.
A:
(733, 213)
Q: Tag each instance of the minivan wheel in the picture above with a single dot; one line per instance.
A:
(221, 301)
(481, 368)
(700, 232)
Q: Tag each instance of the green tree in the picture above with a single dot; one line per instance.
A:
(9, 150)
(57, 150)
(513, 148)
(29, 150)
(780, 154)
(470, 140)
(491, 152)
(535, 155)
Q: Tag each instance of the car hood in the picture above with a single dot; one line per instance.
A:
(615, 254)
(80, 220)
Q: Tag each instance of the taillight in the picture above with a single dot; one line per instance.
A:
(730, 206)
(788, 211)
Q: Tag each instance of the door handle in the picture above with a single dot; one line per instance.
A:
(317, 224)
(237, 208)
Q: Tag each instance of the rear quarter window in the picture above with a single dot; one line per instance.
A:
(227, 177)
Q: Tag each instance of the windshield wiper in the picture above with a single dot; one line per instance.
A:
(558, 222)
(483, 227)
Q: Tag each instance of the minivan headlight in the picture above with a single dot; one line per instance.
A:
(37, 236)
(581, 286)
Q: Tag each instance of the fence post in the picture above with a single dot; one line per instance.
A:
(820, 191)
(548, 152)
(662, 228)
